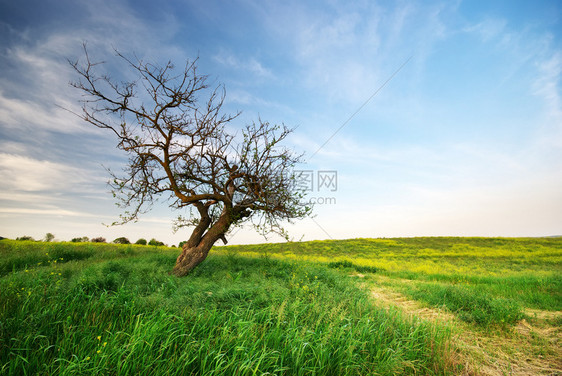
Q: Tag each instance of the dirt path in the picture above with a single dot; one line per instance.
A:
(531, 348)
(411, 307)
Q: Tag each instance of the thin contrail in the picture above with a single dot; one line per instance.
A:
(363, 105)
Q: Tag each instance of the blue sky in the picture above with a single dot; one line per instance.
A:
(466, 139)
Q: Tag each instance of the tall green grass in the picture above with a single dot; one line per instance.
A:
(469, 304)
(537, 291)
(21, 255)
(516, 272)
(115, 310)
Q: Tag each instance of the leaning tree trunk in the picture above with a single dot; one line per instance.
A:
(197, 248)
(190, 257)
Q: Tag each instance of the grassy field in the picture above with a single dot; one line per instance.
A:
(287, 309)
(524, 272)
(504, 294)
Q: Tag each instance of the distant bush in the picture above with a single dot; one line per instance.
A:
(25, 238)
(365, 269)
(340, 264)
(155, 242)
(141, 241)
(49, 237)
(83, 239)
(182, 243)
(2, 238)
(349, 264)
(99, 239)
(122, 240)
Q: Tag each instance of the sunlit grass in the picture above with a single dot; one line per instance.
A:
(291, 308)
(477, 256)
(514, 273)
(105, 309)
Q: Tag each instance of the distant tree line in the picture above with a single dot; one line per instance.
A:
(83, 239)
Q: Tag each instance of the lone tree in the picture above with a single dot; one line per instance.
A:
(181, 146)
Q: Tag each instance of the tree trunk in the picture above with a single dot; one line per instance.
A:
(190, 257)
(195, 251)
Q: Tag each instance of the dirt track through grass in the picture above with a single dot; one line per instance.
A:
(532, 347)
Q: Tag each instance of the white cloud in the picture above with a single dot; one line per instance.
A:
(48, 212)
(488, 29)
(35, 116)
(45, 200)
(246, 98)
(11, 147)
(32, 102)
(251, 64)
(21, 173)
(38, 86)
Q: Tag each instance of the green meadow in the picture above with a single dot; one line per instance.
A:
(303, 308)
(524, 272)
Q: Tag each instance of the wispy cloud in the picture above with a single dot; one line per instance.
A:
(488, 29)
(22, 173)
(38, 82)
(346, 52)
(39, 116)
(547, 86)
(251, 64)
(31, 93)
(46, 212)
